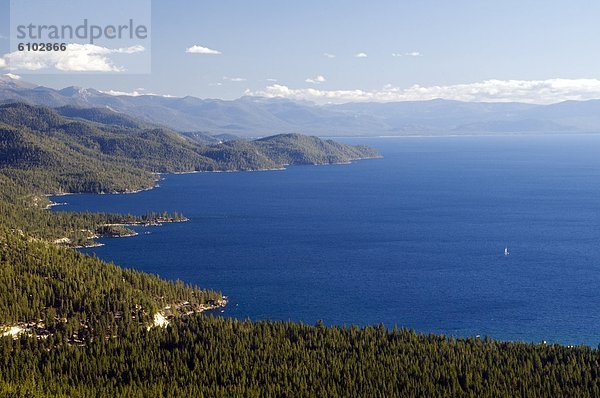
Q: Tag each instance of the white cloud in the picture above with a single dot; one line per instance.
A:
(77, 57)
(12, 76)
(316, 80)
(409, 54)
(529, 91)
(134, 93)
(271, 80)
(361, 55)
(234, 79)
(128, 50)
(2, 63)
(328, 55)
(195, 49)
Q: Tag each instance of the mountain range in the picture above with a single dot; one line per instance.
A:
(258, 116)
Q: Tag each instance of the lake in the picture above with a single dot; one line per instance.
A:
(415, 239)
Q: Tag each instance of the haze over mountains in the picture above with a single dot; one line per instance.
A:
(257, 116)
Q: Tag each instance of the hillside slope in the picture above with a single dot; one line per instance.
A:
(68, 294)
(95, 150)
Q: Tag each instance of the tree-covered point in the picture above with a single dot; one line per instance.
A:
(303, 149)
(23, 210)
(216, 357)
(74, 293)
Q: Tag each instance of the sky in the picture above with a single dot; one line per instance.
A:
(341, 51)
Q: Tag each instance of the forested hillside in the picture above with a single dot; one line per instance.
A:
(75, 293)
(24, 209)
(101, 151)
(303, 149)
(217, 357)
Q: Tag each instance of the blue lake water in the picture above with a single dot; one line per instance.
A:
(415, 239)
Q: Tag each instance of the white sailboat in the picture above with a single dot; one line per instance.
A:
(506, 252)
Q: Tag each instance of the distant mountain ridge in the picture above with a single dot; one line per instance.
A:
(257, 116)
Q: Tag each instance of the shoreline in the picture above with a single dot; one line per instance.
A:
(54, 204)
(223, 171)
(162, 318)
(458, 135)
(284, 168)
(66, 242)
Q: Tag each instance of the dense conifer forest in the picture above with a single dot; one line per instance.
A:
(101, 151)
(74, 326)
